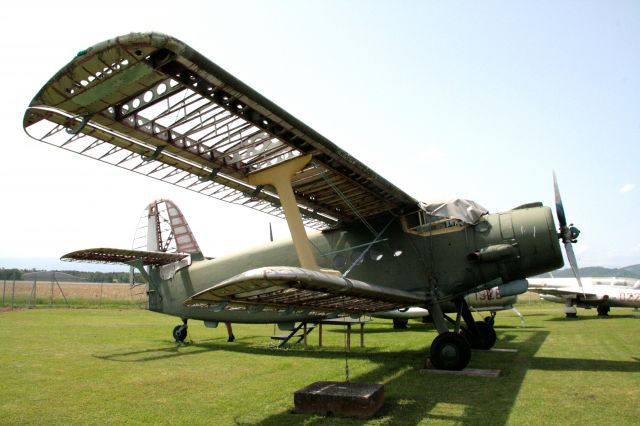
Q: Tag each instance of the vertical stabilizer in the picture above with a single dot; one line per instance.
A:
(166, 230)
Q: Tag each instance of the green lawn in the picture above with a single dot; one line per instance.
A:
(82, 366)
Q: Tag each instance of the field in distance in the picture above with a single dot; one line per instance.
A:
(27, 293)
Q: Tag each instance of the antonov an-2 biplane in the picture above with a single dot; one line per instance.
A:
(151, 104)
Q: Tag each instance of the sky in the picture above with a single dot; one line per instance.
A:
(479, 100)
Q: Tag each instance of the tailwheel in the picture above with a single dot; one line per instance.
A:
(180, 332)
(450, 351)
(485, 337)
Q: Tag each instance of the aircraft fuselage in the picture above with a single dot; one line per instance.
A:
(441, 263)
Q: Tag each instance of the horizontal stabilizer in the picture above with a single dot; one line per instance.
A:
(111, 255)
(283, 286)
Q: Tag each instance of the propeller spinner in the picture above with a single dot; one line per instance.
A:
(568, 234)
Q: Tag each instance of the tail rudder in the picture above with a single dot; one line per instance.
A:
(164, 228)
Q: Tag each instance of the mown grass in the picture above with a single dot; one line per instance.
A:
(77, 366)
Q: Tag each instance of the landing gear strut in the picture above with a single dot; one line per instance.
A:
(180, 331)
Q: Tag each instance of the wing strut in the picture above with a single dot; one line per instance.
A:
(279, 176)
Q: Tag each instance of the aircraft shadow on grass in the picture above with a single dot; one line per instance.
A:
(590, 317)
(410, 396)
(205, 346)
(578, 364)
(146, 355)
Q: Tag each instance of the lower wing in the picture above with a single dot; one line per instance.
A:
(292, 287)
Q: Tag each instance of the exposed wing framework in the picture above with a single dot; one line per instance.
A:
(151, 104)
(124, 256)
(297, 288)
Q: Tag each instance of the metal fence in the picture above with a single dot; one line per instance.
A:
(20, 294)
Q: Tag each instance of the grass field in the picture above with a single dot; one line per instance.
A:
(83, 366)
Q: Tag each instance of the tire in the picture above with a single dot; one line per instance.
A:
(179, 333)
(400, 324)
(484, 340)
(450, 351)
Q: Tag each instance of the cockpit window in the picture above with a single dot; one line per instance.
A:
(421, 223)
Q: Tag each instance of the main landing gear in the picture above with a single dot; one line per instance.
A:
(452, 350)
(180, 331)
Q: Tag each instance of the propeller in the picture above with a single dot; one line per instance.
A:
(568, 234)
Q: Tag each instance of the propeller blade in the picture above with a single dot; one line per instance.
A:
(568, 247)
(562, 219)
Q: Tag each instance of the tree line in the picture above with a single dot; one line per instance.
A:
(92, 277)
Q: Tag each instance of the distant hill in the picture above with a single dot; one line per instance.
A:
(632, 271)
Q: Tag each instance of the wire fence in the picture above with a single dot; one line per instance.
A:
(27, 294)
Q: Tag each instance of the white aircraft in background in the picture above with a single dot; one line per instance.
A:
(490, 300)
(602, 293)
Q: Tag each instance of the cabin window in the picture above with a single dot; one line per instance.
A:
(339, 261)
(421, 223)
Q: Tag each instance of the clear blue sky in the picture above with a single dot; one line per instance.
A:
(480, 100)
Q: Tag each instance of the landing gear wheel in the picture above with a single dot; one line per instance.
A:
(180, 333)
(400, 324)
(485, 339)
(450, 351)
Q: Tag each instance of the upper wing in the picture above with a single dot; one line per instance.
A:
(151, 104)
(284, 287)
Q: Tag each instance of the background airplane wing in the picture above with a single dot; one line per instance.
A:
(283, 287)
(151, 104)
(567, 292)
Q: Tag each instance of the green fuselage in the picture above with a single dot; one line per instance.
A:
(441, 263)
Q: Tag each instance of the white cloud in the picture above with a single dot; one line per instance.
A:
(628, 187)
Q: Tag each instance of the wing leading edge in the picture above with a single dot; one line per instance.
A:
(151, 104)
(298, 288)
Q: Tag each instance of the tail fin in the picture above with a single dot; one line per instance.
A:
(162, 227)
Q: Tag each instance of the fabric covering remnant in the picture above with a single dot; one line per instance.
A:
(465, 210)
